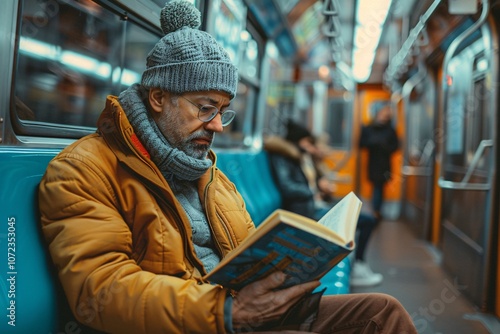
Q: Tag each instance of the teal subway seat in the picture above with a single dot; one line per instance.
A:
(28, 285)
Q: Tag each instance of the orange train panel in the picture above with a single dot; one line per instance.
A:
(436, 208)
(344, 175)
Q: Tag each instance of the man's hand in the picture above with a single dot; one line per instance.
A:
(326, 186)
(260, 302)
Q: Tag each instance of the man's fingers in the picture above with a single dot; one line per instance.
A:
(273, 281)
(297, 291)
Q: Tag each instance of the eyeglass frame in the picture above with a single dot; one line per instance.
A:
(213, 115)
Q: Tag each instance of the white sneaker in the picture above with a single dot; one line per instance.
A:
(362, 275)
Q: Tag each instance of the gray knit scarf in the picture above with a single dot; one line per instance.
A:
(170, 160)
(180, 170)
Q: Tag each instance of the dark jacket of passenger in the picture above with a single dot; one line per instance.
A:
(290, 179)
(381, 141)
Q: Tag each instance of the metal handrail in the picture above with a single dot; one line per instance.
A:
(412, 82)
(464, 184)
(477, 155)
(421, 168)
(427, 152)
(416, 171)
(399, 58)
(396, 97)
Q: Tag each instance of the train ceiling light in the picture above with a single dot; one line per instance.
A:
(370, 19)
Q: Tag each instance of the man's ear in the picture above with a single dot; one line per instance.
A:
(156, 99)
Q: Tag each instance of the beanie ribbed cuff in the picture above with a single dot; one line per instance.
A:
(193, 76)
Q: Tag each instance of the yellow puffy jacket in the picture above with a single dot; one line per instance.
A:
(121, 241)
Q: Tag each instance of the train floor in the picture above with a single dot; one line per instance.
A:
(413, 275)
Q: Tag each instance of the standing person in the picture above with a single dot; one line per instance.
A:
(381, 141)
(303, 187)
(136, 214)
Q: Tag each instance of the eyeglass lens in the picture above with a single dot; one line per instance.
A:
(208, 112)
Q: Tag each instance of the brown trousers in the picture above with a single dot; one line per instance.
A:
(358, 314)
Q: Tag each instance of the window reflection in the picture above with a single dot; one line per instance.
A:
(139, 43)
(66, 53)
(71, 57)
(249, 61)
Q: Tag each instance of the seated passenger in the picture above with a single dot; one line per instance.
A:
(304, 189)
(136, 214)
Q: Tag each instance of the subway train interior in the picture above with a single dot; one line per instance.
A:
(326, 64)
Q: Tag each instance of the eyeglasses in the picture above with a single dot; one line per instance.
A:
(207, 112)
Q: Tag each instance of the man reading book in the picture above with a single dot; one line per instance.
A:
(136, 214)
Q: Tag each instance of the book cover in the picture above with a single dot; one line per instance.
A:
(302, 248)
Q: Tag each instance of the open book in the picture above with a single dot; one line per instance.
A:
(302, 248)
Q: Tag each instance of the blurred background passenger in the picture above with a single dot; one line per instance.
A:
(381, 141)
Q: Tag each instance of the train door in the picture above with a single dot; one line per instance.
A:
(419, 103)
(469, 158)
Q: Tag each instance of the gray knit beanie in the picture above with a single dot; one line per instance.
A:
(187, 59)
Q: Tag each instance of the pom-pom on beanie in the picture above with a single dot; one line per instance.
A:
(187, 59)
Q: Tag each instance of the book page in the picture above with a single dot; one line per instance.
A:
(342, 218)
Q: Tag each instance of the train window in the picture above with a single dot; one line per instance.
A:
(226, 21)
(280, 95)
(474, 118)
(239, 132)
(419, 132)
(339, 122)
(468, 115)
(478, 119)
(67, 53)
(249, 57)
(71, 55)
(138, 44)
(459, 84)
